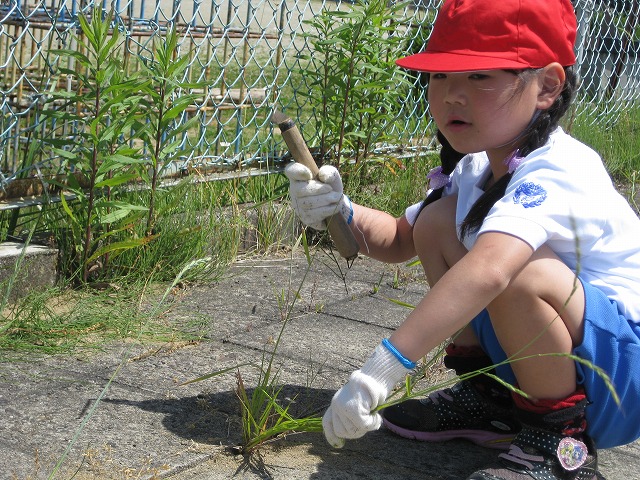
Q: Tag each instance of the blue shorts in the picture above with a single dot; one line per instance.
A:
(610, 342)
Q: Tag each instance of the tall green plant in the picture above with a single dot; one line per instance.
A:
(356, 83)
(165, 103)
(127, 128)
(102, 110)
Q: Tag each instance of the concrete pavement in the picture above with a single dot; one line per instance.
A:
(121, 413)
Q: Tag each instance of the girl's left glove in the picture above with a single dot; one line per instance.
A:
(349, 415)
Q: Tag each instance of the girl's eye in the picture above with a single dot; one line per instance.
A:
(478, 76)
(438, 76)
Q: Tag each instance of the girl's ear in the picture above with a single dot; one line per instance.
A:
(551, 82)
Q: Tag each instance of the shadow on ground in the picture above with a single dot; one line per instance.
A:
(377, 455)
(196, 417)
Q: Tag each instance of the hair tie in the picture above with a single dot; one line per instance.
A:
(513, 161)
(437, 179)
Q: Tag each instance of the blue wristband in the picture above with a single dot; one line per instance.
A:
(401, 358)
(350, 218)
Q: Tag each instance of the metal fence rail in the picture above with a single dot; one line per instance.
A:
(249, 53)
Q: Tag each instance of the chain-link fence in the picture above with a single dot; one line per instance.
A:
(608, 53)
(250, 54)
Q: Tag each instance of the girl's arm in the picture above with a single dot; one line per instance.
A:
(382, 236)
(467, 288)
(379, 235)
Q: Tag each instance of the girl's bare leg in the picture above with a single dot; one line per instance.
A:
(540, 313)
(544, 300)
(437, 245)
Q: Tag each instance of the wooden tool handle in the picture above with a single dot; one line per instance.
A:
(338, 228)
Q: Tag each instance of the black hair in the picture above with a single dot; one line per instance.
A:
(534, 137)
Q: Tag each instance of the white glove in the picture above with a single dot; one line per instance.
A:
(349, 415)
(315, 200)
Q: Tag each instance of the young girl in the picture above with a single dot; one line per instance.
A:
(530, 252)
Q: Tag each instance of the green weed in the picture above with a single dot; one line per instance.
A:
(618, 144)
(263, 417)
(354, 82)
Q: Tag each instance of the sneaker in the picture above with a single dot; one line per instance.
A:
(538, 454)
(457, 412)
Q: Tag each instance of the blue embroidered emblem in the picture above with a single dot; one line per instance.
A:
(529, 195)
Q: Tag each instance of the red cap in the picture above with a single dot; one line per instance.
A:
(505, 34)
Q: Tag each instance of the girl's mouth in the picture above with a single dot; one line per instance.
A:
(457, 124)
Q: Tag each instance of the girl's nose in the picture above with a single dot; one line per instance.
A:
(454, 93)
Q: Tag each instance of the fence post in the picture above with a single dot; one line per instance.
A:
(584, 11)
(627, 35)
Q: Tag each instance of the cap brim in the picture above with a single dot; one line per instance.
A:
(455, 62)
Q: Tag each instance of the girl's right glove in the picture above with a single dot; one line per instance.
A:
(315, 200)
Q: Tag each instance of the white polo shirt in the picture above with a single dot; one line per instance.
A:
(562, 196)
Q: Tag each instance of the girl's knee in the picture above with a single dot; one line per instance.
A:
(544, 291)
(436, 220)
(543, 275)
(435, 238)
(439, 212)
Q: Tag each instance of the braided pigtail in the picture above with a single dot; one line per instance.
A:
(449, 158)
(535, 136)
